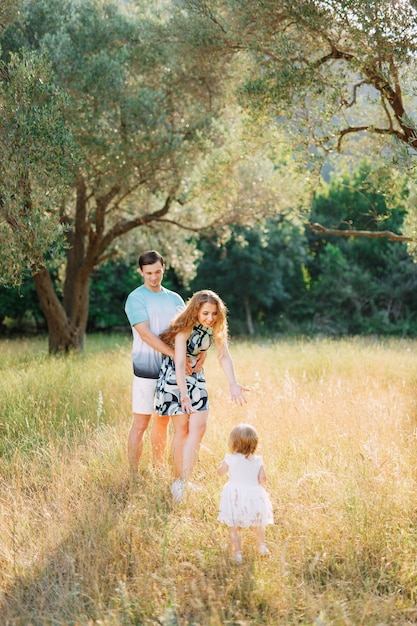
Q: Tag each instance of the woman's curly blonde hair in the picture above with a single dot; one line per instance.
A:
(185, 321)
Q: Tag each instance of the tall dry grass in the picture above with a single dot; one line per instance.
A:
(80, 543)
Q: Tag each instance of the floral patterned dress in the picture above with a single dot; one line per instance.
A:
(167, 398)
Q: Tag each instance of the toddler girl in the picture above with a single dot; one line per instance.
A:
(244, 502)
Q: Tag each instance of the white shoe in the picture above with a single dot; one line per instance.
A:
(178, 489)
(263, 549)
(238, 558)
(193, 487)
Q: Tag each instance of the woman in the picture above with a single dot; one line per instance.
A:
(183, 397)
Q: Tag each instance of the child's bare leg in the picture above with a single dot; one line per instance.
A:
(260, 539)
(236, 542)
(259, 535)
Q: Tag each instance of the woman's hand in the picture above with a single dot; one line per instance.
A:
(186, 405)
(236, 391)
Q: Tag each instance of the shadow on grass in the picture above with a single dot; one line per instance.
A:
(82, 578)
(130, 556)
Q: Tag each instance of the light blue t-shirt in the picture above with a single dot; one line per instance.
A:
(157, 308)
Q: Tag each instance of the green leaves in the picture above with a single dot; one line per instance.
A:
(314, 64)
(36, 159)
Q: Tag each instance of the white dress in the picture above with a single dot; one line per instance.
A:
(243, 501)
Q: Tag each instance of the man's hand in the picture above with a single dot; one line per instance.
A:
(199, 362)
(195, 363)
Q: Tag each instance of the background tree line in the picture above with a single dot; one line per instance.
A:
(276, 276)
(203, 129)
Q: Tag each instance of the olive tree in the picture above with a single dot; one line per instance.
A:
(135, 102)
(331, 72)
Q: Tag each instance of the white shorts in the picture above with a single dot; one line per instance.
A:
(143, 395)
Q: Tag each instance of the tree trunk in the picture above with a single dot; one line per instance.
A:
(87, 245)
(65, 334)
(249, 321)
(67, 320)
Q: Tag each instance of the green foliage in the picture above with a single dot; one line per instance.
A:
(257, 272)
(140, 111)
(141, 107)
(362, 285)
(35, 166)
(278, 277)
(20, 312)
(336, 75)
(8, 11)
(110, 285)
(20, 309)
(135, 91)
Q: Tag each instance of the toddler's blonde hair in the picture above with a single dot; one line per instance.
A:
(243, 439)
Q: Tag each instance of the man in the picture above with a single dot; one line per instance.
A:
(150, 309)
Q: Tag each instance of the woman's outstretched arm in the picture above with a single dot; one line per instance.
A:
(236, 389)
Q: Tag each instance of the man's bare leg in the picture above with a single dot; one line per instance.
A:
(135, 440)
(159, 439)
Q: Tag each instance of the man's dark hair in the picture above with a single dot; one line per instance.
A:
(149, 258)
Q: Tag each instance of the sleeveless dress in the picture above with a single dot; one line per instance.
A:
(167, 397)
(243, 501)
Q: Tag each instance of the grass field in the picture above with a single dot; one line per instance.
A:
(82, 544)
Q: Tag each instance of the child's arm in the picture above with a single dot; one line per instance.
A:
(222, 469)
(236, 389)
(180, 363)
(261, 475)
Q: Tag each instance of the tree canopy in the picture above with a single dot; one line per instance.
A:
(9, 9)
(329, 68)
(119, 116)
(36, 161)
(139, 112)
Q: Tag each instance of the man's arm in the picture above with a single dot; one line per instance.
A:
(144, 330)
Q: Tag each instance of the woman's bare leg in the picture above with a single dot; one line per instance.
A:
(196, 428)
(180, 423)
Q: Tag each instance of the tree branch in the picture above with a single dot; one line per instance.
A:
(355, 88)
(372, 129)
(319, 229)
(391, 94)
(124, 226)
(190, 229)
(333, 55)
(4, 72)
